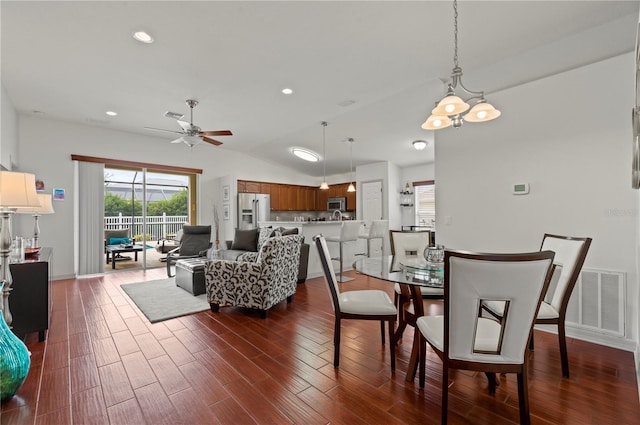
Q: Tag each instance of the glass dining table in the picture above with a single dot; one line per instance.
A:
(415, 273)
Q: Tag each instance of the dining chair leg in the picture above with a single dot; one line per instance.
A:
(392, 348)
(422, 360)
(412, 368)
(445, 393)
(531, 342)
(562, 342)
(523, 397)
(336, 343)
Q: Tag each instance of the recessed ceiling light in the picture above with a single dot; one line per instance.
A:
(305, 154)
(143, 37)
(287, 91)
(111, 113)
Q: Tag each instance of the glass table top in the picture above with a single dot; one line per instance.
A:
(413, 270)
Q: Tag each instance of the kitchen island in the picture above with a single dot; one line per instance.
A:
(327, 228)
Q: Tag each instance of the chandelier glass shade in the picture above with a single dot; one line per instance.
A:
(454, 110)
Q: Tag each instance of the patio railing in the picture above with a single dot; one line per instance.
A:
(157, 226)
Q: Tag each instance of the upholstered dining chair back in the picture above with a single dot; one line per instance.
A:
(329, 272)
(404, 244)
(520, 280)
(570, 256)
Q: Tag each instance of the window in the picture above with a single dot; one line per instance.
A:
(425, 201)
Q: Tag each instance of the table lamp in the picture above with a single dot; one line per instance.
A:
(46, 207)
(17, 190)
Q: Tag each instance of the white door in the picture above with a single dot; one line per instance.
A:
(372, 210)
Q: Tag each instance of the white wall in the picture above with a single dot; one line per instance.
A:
(569, 137)
(8, 131)
(46, 146)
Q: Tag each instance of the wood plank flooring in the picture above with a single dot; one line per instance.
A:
(104, 363)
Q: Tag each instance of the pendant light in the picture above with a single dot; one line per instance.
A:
(450, 110)
(324, 185)
(351, 187)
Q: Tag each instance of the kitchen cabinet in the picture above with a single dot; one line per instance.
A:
(351, 200)
(248, 187)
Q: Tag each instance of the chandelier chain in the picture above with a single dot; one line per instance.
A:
(455, 33)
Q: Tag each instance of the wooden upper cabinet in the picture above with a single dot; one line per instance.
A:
(242, 186)
(265, 188)
(351, 200)
(253, 187)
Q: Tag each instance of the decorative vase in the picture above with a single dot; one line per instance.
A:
(14, 359)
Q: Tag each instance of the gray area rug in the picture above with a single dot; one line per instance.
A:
(161, 299)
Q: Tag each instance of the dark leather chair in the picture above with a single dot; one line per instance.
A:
(195, 242)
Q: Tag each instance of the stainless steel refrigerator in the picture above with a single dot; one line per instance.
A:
(252, 208)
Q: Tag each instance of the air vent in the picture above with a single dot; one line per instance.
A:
(174, 115)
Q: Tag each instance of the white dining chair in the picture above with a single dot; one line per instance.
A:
(362, 304)
(464, 339)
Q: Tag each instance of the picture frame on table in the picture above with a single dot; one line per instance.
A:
(226, 195)
(226, 213)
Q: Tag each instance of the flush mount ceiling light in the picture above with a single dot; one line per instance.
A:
(111, 113)
(419, 145)
(351, 187)
(287, 91)
(305, 154)
(143, 37)
(451, 108)
(324, 185)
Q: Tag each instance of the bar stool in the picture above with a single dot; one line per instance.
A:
(377, 230)
(349, 232)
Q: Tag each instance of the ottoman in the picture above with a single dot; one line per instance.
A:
(190, 275)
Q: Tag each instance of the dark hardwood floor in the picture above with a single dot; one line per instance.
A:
(104, 363)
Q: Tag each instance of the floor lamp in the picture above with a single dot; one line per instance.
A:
(16, 190)
(46, 207)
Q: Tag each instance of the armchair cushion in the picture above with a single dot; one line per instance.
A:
(245, 240)
(118, 241)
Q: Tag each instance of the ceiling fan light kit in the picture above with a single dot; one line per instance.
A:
(449, 110)
(191, 134)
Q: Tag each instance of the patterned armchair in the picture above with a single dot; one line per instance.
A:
(260, 284)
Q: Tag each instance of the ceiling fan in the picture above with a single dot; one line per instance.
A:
(191, 134)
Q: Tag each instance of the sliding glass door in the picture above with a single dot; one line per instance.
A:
(153, 205)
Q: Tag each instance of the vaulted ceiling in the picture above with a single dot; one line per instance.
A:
(371, 69)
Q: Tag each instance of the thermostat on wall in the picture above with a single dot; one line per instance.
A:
(521, 189)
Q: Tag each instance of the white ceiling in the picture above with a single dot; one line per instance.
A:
(74, 60)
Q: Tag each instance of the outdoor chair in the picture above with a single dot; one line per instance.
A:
(117, 237)
(195, 242)
(464, 339)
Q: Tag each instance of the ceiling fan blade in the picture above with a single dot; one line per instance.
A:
(162, 129)
(216, 133)
(212, 141)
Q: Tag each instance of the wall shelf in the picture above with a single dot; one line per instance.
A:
(407, 198)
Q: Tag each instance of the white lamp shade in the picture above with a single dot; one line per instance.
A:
(436, 122)
(450, 105)
(324, 186)
(482, 112)
(351, 188)
(46, 206)
(18, 190)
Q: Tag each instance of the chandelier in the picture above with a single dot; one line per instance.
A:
(453, 110)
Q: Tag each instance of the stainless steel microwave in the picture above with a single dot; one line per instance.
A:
(337, 204)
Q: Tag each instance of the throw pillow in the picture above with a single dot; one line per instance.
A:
(245, 240)
(118, 241)
(292, 231)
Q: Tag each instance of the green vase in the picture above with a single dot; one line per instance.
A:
(14, 359)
